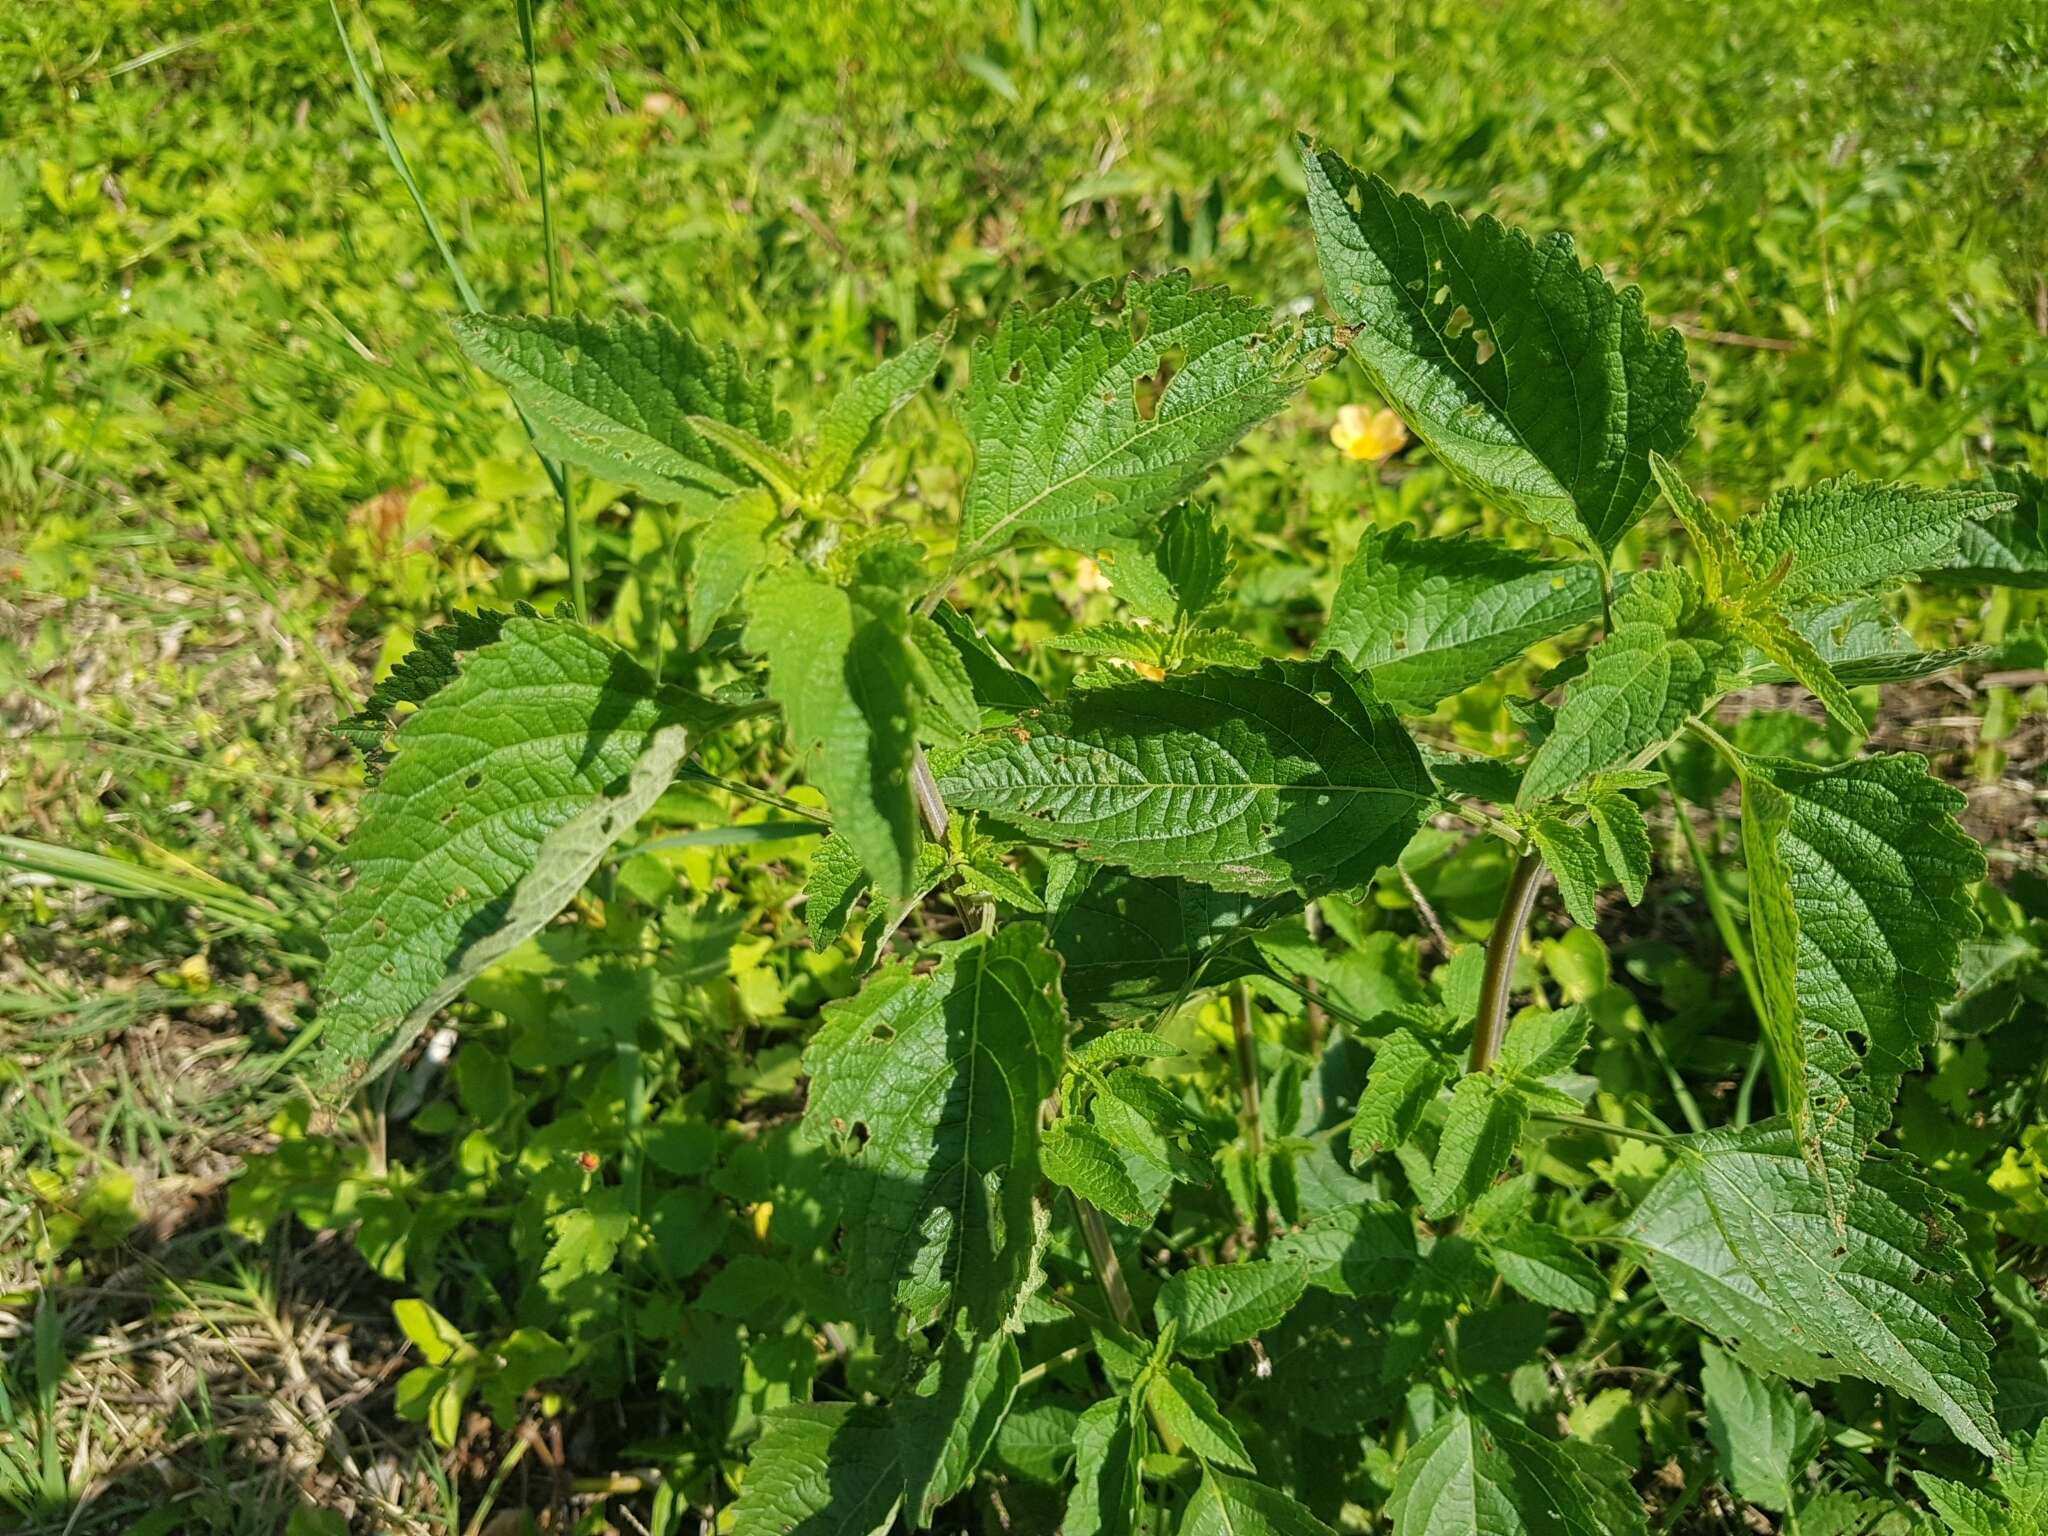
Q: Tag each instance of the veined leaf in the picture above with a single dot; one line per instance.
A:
(1109, 1445)
(509, 785)
(821, 1469)
(998, 686)
(1481, 1131)
(1486, 1474)
(2008, 547)
(1237, 1506)
(1861, 643)
(1186, 1409)
(1848, 535)
(1868, 861)
(1811, 1280)
(729, 549)
(945, 1426)
(1573, 857)
(2020, 1507)
(839, 664)
(1430, 617)
(422, 672)
(1291, 775)
(1406, 1075)
(1764, 1433)
(1134, 946)
(616, 396)
(1617, 822)
(1667, 660)
(929, 1087)
(1215, 1306)
(1091, 417)
(1078, 1157)
(1775, 635)
(1367, 1249)
(857, 414)
(1547, 1266)
(1524, 371)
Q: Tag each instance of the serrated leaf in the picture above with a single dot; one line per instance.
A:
(1122, 1045)
(1814, 1281)
(616, 397)
(1406, 1075)
(1430, 617)
(1544, 1044)
(508, 787)
(1367, 1249)
(1522, 370)
(1764, 1433)
(1861, 644)
(1481, 1131)
(858, 412)
(1848, 535)
(729, 549)
(821, 1469)
(1667, 660)
(1237, 1506)
(944, 680)
(945, 1425)
(2009, 547)
(839, 664)
(1126, 642)
(1773, 634)
(1215, 1306)
(1194, 556)
(998, 686)
(1546, 1266)
(1573, 857)
(1185, 1409)
(1725, 568)
(1216, 648)
(1108, 1447)
(1077, 1156)
(1134, 945)
(585, 1241)
(1091, 417)
(1859, 883)
(2019, 1508)
(1293, 775)
(1485, 1474)
(928, 1086)
(1617, 822)
(431, 665)
(838, 880)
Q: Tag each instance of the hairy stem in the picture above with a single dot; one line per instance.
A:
(1250, 1115)
(1108, 1270)
(926, 789)
(1502, 946)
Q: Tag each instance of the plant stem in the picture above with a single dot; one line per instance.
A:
(1108, 1270)
(571, 544)
(1502, 946)
(1604, 1127)
(926, 789)
(1250, 1115)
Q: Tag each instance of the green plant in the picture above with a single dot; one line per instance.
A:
(1043, 889)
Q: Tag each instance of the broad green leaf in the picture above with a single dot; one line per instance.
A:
(821, 1469)
(1076, 1156)
(508, 787)
(1876, 872)
(1133, 946)
(838, 881)
(1481, 1131)
(1185, 1409)
(1109, 1444)
(1406, 1075)
(839, 664)
(1798, 1278)
(1667, 660)
(1546, 1266)
(1617, 822)
(1213, 1307)
(858, 412)
(1430, 617)
(1849, 535)
(1544, 1044)
(1036, 1442)
(2010, 547)
(616, 396)
(2020, 1506)
(1125, 642)
(1764, 1433)
(946, 1424)
(1122, 1045)
(1861, 643)
(1722, 562)
(1090, 418)
(1194, 556)
(1486, 1474)
(431, 665)
(928, 1086)
(1291, 775)
(1237, 1506)
(944, 681)
(1142, 1118)
(437, 1339)
(1572, 855)
(1525, 372)
(728, 551)
(1362, 1249)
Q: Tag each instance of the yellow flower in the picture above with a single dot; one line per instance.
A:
(1368, 438)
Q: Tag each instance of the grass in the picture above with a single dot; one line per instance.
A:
(240, 460)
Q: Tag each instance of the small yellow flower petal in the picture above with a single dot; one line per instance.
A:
(1368, 438)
